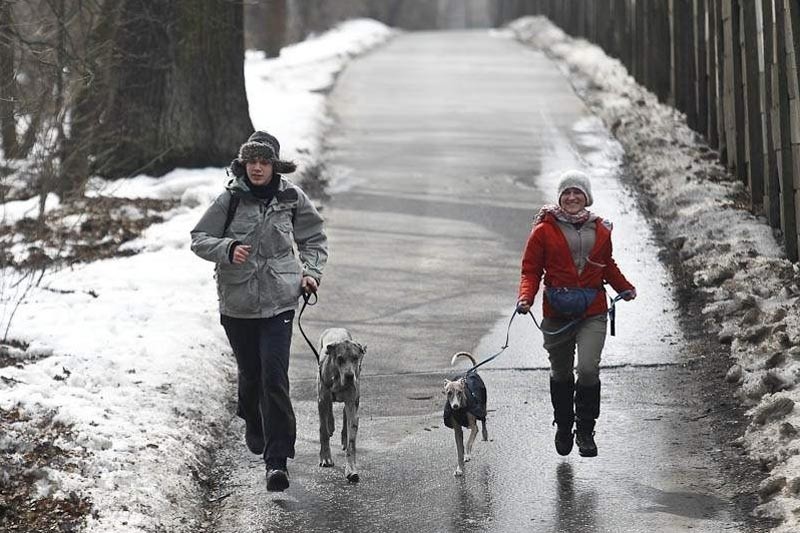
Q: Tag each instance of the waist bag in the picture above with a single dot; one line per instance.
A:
(570, 302)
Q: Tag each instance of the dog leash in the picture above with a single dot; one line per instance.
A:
(306, 298)
(611, 313)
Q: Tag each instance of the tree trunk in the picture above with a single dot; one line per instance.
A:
(178, 95)
(91, 94)
(8, 93)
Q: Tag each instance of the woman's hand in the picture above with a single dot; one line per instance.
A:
(629, 295)
(309, 285)
(240, 253)
(523, 306)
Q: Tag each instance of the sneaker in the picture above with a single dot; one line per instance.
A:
(277, 480)
(586, 444)
(563, 440)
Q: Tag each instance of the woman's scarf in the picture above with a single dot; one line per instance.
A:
(583, 216)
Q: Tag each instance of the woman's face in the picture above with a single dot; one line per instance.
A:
(572, 201)
(259, 171)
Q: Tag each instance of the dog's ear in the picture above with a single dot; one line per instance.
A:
(330, 350)
(444, 386)
(363, 348)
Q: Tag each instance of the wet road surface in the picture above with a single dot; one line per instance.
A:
(445, 145)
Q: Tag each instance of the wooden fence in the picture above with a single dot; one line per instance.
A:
(730, 65)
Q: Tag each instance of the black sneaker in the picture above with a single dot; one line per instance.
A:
(277, 480)
(586, 444)
(564, 440)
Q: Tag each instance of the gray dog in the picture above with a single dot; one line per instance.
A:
(338, 381)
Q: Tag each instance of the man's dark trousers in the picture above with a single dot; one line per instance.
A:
(261, 347)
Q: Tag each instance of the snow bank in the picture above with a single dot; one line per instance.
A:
(752, 288)
(129, 351)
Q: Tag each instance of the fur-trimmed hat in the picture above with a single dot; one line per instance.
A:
(575, 179)
(261, 145)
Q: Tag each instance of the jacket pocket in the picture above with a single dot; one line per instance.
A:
(236, 287)
(285, 274)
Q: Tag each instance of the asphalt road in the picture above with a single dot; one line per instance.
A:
(445, 144)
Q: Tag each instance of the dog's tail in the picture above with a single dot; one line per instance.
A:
(463, 354)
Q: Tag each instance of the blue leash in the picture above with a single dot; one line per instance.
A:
(611, 313)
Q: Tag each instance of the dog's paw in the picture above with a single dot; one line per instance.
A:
(326, 462)
(352, 476)
(467, 458)
(459, 472)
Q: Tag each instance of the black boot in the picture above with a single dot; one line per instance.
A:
(587, 409)
(277, 475)
(561, 395)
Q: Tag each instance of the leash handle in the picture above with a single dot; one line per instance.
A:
(612, 311)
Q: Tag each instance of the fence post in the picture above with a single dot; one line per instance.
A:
(784, 155)
(793, 58)
(701, 65)
(711, 61)
(771, 185)
(658, 35)
(753, 99)
(722, 133)
(728, 84)
(683, 68)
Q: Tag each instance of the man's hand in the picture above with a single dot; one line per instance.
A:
(523, 306)
(240, 253)
(309, 285)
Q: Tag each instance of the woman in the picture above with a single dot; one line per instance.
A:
(249, 232)
(571, 247)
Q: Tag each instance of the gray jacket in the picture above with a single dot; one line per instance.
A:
(269, 282)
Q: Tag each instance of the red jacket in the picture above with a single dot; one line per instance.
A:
(547, 253)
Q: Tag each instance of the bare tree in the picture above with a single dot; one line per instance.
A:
(8, 130)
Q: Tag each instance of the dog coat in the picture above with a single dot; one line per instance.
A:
(476, 402)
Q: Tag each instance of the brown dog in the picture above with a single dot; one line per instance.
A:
(466, 404)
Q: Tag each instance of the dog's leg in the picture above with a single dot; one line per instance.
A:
(473, 432)
(459, 434)
(325, 406)
(485, 433)
(344, 427)
(351, 415)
